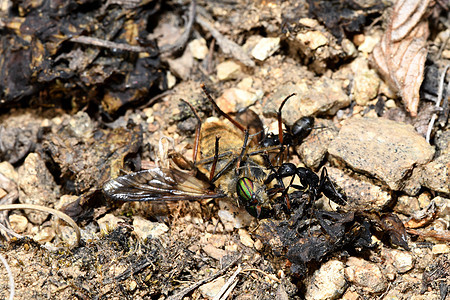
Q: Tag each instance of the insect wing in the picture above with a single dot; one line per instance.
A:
(158, 184)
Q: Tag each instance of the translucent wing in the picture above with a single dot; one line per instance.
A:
(158, 184)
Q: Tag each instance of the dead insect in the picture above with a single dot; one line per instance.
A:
(217, 146)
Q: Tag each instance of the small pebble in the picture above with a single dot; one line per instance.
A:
(18, 223)
(328, 282)
(44, 235)
(402, 261)
(210, 290)
(365, 87)
(440, 249)
(232, 216)
(312, 39)
(369, 43)
(132, 286)
(407, 205)
(350, 295)
(214, 252)
(171, 80)
(366, 275)
(146, 229)
(358, 39)
(8, 171)
(349, 48)
(198, 48)
(265, 48)
(228, 70)
(245, 238)
(259, 245)
(108, 222)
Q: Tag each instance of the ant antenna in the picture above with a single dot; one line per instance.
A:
(280, 121)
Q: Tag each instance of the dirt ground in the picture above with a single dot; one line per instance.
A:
(95, 90)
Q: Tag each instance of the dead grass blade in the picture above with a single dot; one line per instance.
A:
(52, 211)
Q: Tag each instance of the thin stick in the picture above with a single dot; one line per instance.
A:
(55, 212)
(11, 232)
(271, 276)
(181, 294)
(10, 276)
(92, 41)
(438, 103)
(227, 284)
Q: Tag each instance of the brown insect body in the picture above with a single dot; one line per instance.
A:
(230, 146)
(228, 162)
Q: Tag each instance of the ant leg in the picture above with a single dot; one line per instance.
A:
(327, 187)
(279, 180)
(216, 158)
(244, 147)
(229, 164)
(197, 131)
(221, 112)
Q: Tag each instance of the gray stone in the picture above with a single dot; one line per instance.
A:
(382, 148)
(146, 229)
(366, 275)
(265, 48)
(228, 70)
(365, 86)
(328, 282)
(360, 194)
(36, 186)
(314, 148)
(436, 174)
(324, 96)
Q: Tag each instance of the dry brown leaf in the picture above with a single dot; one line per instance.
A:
(401, 54)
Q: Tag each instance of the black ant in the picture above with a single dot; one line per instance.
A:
(293, 135)
(311, 182)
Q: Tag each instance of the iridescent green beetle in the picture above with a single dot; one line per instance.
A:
(253, 197)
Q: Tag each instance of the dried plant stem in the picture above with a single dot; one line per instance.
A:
(438, 103)
(55, 212)
(87, 40)
(228, 286)
(10, 276)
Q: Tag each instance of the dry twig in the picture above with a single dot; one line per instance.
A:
(87, 40)
(10, 276)
(55, 212)
(189, 289)
(227, 45)
(228, 286)
(438, 102)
